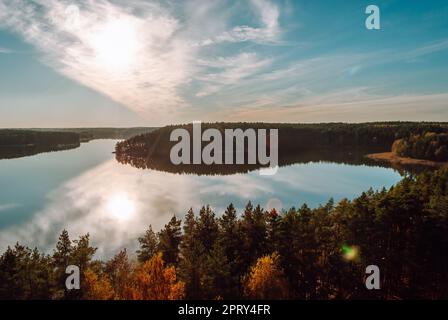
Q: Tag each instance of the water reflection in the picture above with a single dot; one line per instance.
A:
(116, 202)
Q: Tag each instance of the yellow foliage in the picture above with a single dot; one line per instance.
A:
(266, 279)
(154, 281)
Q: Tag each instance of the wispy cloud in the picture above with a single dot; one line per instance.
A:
(230, 71)
(269, 32)
(134, 59)
(166, 59)
(137, 53)
(8, 206)
(347, 105)
(418, 52)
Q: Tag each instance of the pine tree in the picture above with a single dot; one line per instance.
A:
(149, 244)
(169, 240)
(216, 278)
(83, 252)
(254, 231)
(191, 262)
(273, 231)
(230, 240)
(119, 271)
(61, 260)
(207, 228)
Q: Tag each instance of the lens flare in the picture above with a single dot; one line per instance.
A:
(350, 253)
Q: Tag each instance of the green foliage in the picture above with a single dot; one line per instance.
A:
(149, 244)
(169, 241)
(25, 274)
(306, 253)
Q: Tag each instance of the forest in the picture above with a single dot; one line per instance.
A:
(13, 137)
(88, 134)
(428, 145)
(16, 143)
(300, 253)
(336, 142)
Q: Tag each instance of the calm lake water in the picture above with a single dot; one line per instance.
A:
(85, 190)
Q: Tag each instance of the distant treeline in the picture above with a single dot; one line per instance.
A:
(429, 145)
(16, 143)
(11, 138)
(88, 134)
(152, 150)
(300, 253)
(20, 143)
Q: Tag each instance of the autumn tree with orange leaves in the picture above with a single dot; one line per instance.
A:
(97, 287)
(153, 281)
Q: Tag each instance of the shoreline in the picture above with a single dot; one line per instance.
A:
(392, 158)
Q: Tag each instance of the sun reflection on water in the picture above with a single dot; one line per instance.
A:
(121, 207)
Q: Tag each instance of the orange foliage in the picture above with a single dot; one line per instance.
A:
(97, 288)
(154, 281)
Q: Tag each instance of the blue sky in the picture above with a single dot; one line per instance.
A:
(124, 63)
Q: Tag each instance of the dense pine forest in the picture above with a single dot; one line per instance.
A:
(301, 253)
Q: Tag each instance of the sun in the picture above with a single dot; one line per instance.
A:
(115, 45)
(120, 207)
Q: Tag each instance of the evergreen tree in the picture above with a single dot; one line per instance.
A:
(254, 232)
(191, 262)
(230, 240)
(169, 240)
(61, 260)
(149, 244)
(119, 269)
(207, 228)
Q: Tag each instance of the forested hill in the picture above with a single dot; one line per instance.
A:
(152, 150)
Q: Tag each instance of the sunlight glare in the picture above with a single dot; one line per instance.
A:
(116, 45)
(121, 207)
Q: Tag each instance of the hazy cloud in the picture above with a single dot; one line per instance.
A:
(5, 50)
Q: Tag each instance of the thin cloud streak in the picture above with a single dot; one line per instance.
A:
(8, 206)
(351, 105)
(5, 50)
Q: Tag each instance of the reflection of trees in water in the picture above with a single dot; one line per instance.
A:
(298, 143)
(355, 156)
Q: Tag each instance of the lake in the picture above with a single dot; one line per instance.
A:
(85, 190)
